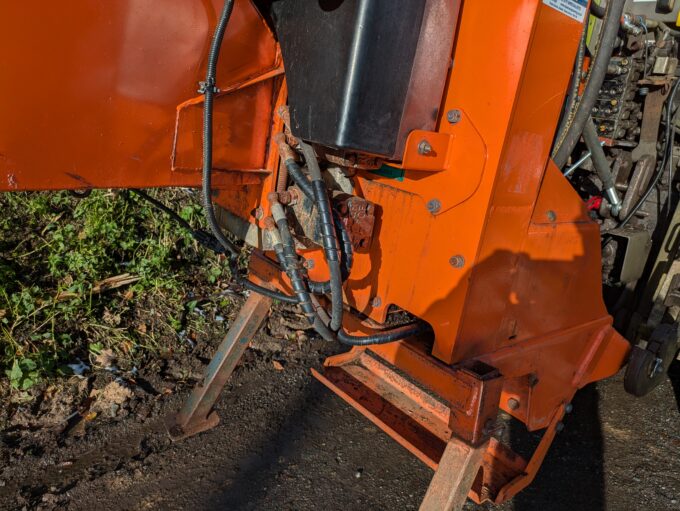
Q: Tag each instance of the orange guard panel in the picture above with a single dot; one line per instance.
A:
(89, 92)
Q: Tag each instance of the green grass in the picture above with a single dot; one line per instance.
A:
(54, 248)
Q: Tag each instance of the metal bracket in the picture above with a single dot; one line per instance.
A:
(197, 415)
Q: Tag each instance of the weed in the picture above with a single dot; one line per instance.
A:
(56, 249)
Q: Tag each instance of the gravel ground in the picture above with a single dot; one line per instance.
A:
(286, 443)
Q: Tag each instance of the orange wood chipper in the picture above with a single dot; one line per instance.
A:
(478, 197)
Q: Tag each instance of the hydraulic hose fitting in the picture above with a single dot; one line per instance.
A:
(632, 24)
(614, 200)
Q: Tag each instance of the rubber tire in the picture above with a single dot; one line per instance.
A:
(663, 343)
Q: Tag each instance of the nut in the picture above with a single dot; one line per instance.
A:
(424, 148)
(457, 261)
(433, 206)
(454, 116)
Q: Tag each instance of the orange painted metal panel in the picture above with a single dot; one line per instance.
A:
(89, 90)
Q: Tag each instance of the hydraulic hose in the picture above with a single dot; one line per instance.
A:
(601, 165)
(575, 85)
(291, 262)
(347, 257)
(384, 337)
(567, 140)
(597, 10)
(299, 178)
(329, 237)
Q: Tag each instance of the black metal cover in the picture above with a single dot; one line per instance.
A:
(351, 67)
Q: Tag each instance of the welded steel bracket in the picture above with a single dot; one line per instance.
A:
(445, 420)
(197, 415)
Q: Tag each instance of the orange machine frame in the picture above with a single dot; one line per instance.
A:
(483, 237)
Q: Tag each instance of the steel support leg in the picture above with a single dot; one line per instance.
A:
(197, 415)
(454, 477)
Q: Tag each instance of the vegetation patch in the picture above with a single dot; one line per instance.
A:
(106, 273)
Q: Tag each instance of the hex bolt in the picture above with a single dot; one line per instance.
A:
(457, 261)
(568, 408)
(454, 116)
(552, 216)
(376, 302)
(309, 264)
(424, 148)
(513, 403)
(433, 206)
(559, 427)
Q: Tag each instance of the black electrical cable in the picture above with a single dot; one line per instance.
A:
(668, 147)
(566, 141)
(211, 243)
(209, 88)
(204, 238)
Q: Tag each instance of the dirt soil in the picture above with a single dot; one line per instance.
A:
(285, 442)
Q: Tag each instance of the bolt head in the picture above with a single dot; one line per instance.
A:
(560, 427)
(568, 408)
(424, 148)
(434, 206)
(513, 403)
(454, 116)
(552, 216)
(376, 302)
(457, 261)
(309, 264)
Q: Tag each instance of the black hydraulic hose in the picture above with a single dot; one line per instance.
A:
(597, 10)
(284, 248)
(608, 33)
(601, 165)
(275, 295)
(574, 87)
(291, 262)
(395, 334)
(329, 237)
(347, 258)
(295, 172)
(386, 337)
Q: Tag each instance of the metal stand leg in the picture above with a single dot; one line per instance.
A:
(454, 477)
(197, 414)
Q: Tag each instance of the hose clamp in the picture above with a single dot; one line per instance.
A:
(208, 85)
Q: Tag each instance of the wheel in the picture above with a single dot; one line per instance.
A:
(647, 367)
